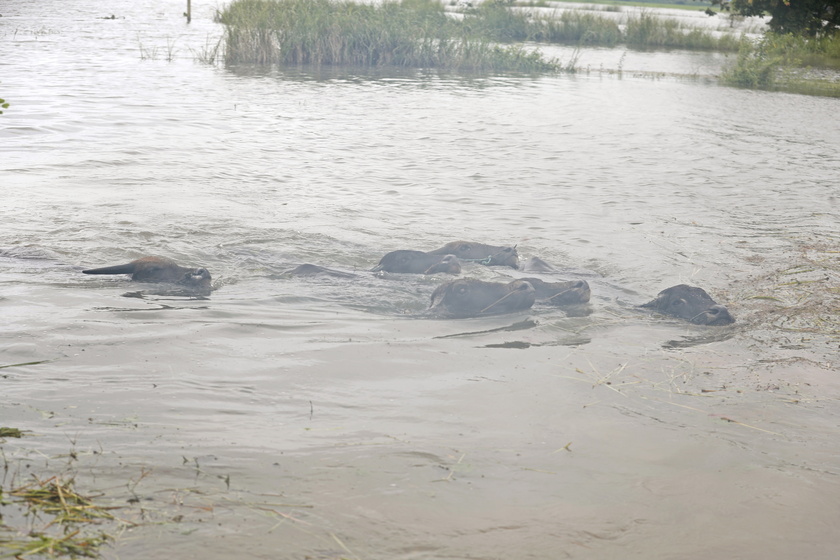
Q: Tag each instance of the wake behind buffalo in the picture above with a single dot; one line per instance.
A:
(458, 298)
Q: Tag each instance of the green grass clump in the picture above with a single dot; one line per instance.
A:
(784, 63)
(420, 34)
(497, 21)
(648, 30)
(581, 27)
(823, 51)
(754, 68)
(10, 432)
(409, 33)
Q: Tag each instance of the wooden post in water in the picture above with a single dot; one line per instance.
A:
(189, 11)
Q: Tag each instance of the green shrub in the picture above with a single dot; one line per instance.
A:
(753, 68)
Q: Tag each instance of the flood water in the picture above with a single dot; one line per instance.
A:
(314, 418)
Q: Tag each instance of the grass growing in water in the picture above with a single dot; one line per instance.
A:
(409, 33)
(753, 68)
(497, 20)
(420, 34)
(777, 62)
(648, 30)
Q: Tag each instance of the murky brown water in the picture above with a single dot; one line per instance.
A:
(285, 418)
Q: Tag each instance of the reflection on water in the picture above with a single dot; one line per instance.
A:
(322, 415)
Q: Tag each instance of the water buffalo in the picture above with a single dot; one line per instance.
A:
(692, 304)
(490, 255)
(418, 262)
(468, 297)
(565, 292)
(161, 270)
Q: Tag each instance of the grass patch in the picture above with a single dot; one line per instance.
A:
(409, 33)
(796, 50)
(754, 68)
(496, 21)
(420, 34)
(616, 5)
(783, 63)
(648, 30)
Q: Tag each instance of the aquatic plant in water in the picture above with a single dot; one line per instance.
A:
(409, 33)
(66, 514)
(648, 30)
(753, 68)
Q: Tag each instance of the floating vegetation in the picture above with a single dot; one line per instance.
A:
(26, 364)
(799, 304)
(64, 520)
(10, 432)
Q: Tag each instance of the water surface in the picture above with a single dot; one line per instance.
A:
(292, 418)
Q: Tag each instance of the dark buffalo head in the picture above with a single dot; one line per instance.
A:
(418, 262)
(196, 280)
(565, 292)
(469, 297)
(692, 304)
(449, 264)
(489, 255)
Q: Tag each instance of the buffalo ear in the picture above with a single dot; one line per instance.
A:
(438, 293)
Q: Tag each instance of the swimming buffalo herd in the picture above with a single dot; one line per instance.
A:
(462, 297)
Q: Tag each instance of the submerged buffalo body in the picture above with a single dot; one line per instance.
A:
(418, 262)
(692, 304)
(490, 255)
(313, 270)
(565, 292)
(469, 297)
(161, 270)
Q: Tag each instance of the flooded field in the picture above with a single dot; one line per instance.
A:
(285, 417)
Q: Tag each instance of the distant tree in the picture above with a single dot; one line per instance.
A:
(800, 17)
